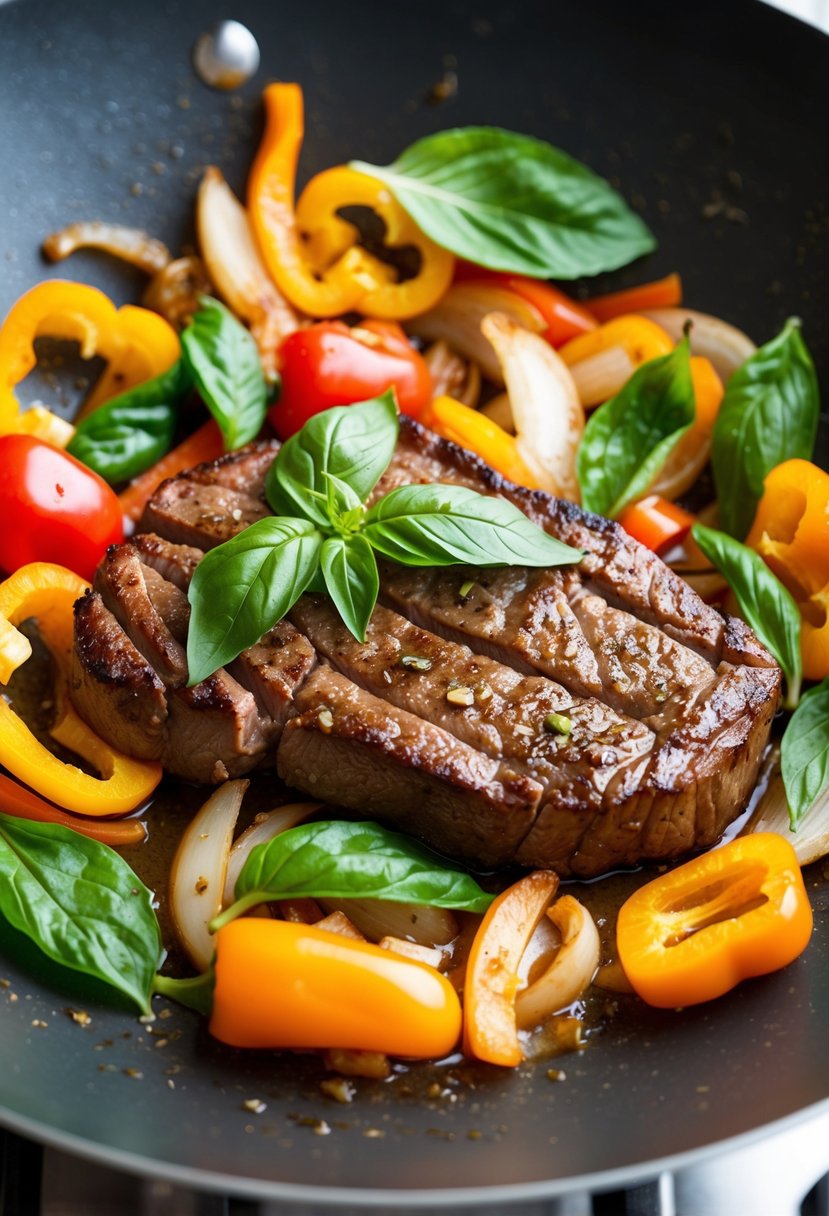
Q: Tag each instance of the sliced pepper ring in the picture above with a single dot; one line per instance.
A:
(47, 593)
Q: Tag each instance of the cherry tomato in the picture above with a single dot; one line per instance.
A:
(53, 508)
(329, 364)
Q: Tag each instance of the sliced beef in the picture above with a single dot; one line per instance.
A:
(348, 747)
(670, 702)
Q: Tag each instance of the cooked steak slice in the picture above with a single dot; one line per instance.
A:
(274, 669)
(353, 749)
(244, 470)
(176, 563)
(189, 513)
(114, 688)
(121, 583)
(215, 730)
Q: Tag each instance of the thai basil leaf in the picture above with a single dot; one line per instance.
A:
(80, 903)
(340, 860)
(511, 202)
(129, 433)
(243, 587)
(765, 604)
(351, 579)
(804, 753)
(353, 443)
(224, 362)
(769, 414)
(628, 439)
(443, 525)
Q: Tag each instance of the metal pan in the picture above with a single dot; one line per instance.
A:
(713, 119)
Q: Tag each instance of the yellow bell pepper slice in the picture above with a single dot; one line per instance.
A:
(330, 274)
(47, 593)
(472, 430)
(641, 338)
(137, 344)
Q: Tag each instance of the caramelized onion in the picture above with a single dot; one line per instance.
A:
(129, 244)
(264, 828)
(174, 292)
(571, 969)
(726, 346)
(197, 878)
(548, 416)
(602, 376)
(379, 918)
(451, 375)
(457, 320)
(234, 265)
(499, 411)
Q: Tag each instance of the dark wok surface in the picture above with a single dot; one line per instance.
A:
(693, 111)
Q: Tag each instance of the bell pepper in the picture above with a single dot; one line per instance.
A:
(472, 430)
(312, 254)
(791, 534)
(660, 293)
(640, 338)
(697, 931)
(21, 802)
(137, 344)
(564, 317)
(278, 983)
(656, 523)
(47, 593)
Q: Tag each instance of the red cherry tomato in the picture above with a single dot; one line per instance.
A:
(329, 364)
(53, 508)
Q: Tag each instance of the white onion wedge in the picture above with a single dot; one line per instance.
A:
(430, 955)
(235, 266)
(811, 840)
(726, 346)
(602, 376)
(451, 375)
(264, 828)
(338, 922)
(457, 320)
(548, 416)
(379, 918)
(197, 878)
(571, 969)
(129, 244)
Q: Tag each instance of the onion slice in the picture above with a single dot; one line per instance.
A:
(379, 918)
(174, 292)
(264, 828)
(129, 244)
(457, 320)
(811, 840)
(571, 969)
(451, 375)
(235, 266)
(197, 879)
(548, 416)
(726, 346)
(499, 411)
(601, 376)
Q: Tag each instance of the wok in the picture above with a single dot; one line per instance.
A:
(712, 118)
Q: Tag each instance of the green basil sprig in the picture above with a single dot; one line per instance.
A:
(129, 433)
(769, 414)
(80, 903)
(512, 202)
(628, 439)
(342, 860)
(804, 753)
(224, 362)
(322, 476)
(764, 602)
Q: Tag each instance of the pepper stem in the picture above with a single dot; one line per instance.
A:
(236, 909)
(196, 993)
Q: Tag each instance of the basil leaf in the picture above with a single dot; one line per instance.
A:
(80, 903)
(243, 587)
(511, 202)
(129, 433)
(224, 361)
(765, 604)
(804, 753)
(353, 443)
(339, 860)
(769, 414)
(442, 525)
(351, 579)
(628, 439)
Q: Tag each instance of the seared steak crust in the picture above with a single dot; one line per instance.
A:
(437, 723)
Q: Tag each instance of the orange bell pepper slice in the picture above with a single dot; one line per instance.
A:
(47, 593)
(791, 534)
(656, 523)
(697, 931)
(490, 1031)
(23, 804)
(137, 344)
(640, 338)
(472, 430)
(204, 444)
(660, 293)
(311, 253)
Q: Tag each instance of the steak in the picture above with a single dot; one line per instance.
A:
(440, 723)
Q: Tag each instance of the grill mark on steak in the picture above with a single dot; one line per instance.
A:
(122, 586)
(404, 770)
(621, 617)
